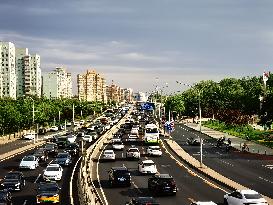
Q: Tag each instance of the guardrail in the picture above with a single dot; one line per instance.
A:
(87, 191)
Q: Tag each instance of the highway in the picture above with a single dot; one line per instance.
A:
(191, 186)
(247, 169)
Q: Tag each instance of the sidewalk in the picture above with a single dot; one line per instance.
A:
(236, 142)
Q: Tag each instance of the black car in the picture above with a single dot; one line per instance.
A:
(64, 159)
(48, 192)
(62, 142)
(5, 197)
(194, 141)
(119, 176)
(162, 184)
(51, 148)
(142, 201)
(13, 181)
(41, 154)
(72, 148)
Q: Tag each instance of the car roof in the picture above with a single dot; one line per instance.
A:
(152, 147)
(119, 168)
(163, 176)
(248, 191)
(108, 150)
(148, 161)
(53, 165)
(144, 199)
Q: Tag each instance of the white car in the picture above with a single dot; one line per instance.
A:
(154, 151)
(116, 139)
(107, 126)
(109, 155)
(29, 136)
(147, 167)
(29, 162)
(54, 129)
(87, 138)
(132, 137)
(77, 124)
(134, 130)
(133, 152)
(53, 172)
(203, 203)
(82, 122)
(118, 145)
(242, 197)
(71, 138)
(68, 124)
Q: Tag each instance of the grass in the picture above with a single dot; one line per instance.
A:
(243, 131)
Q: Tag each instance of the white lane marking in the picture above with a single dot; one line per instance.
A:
(37, 179)
(98, 177)
(190, 171)
(267, 180)
(227, 163)
(71, 184)
(137, 188)
(25, 202)
(50, 161)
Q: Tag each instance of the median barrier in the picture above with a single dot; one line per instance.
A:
(208, 172)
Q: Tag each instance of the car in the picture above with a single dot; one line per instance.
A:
(82, 122)
(147, 167)
(116, 139)
(108, 155)
(71, 138)
(51, 148)
(5, 197)
(68, 124)
(162, 184)
(87, 138)
(242, 197)
(203, 203)
(107, 126)
(142, 201)
(132, 137)
(194, 141)
(154, 151)
(53, 172)
(54, 129)
(77, 124)
(61, 141)
(41, 154)
(93, 134)
(48, 192)
(134, 130)
(118, 145)
(63, 158)
(29, 136)
(29, 162)
(119, 176)
(133, 153)
(14, 181)
(72, 148)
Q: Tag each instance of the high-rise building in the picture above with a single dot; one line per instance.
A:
(57, 84)
(128, 94)
(113, 93)
(28, 72)
(91, 86)
(7, 70)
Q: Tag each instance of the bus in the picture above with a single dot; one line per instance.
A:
(151, 134)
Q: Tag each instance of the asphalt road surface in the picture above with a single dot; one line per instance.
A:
(191, 186)
(251, 170)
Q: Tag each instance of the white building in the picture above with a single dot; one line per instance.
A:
(28, 72)
(128, 94)
(7, 70)
(140, 96)
(57, 84)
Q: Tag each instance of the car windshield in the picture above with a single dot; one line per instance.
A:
(132, 135)
(155, 148)
(121, 172)
(151, 130)
(108, 152)
(253, 196)
(148, 164)
(29, 158)
(12, 176)
(48, 188)
(62, 155)
(52, 169)
(118, 143)
(49, 146)
(61, 139)
(133, 150)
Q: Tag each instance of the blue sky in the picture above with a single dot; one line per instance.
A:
(144, 43)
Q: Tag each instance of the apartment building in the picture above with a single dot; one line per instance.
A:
(7, 70)
(113, 93)
(28, 73)
(57, 84)
(127, 94)
(91, 86)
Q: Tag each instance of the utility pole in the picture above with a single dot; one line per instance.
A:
(73, 113)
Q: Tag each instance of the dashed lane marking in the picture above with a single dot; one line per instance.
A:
(25, 202)
(267, 180)
(268, 166)
(37, 179)
(137, 188)
(191, 200)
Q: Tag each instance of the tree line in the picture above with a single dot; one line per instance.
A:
(18, 114)
(233, 101)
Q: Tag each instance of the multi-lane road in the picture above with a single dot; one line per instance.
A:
(252, 171)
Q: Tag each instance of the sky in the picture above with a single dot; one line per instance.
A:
(145, 44)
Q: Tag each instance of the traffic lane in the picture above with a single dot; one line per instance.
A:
(190, 188)
(246, 169)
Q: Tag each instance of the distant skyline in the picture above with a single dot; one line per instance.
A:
(143, 44)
